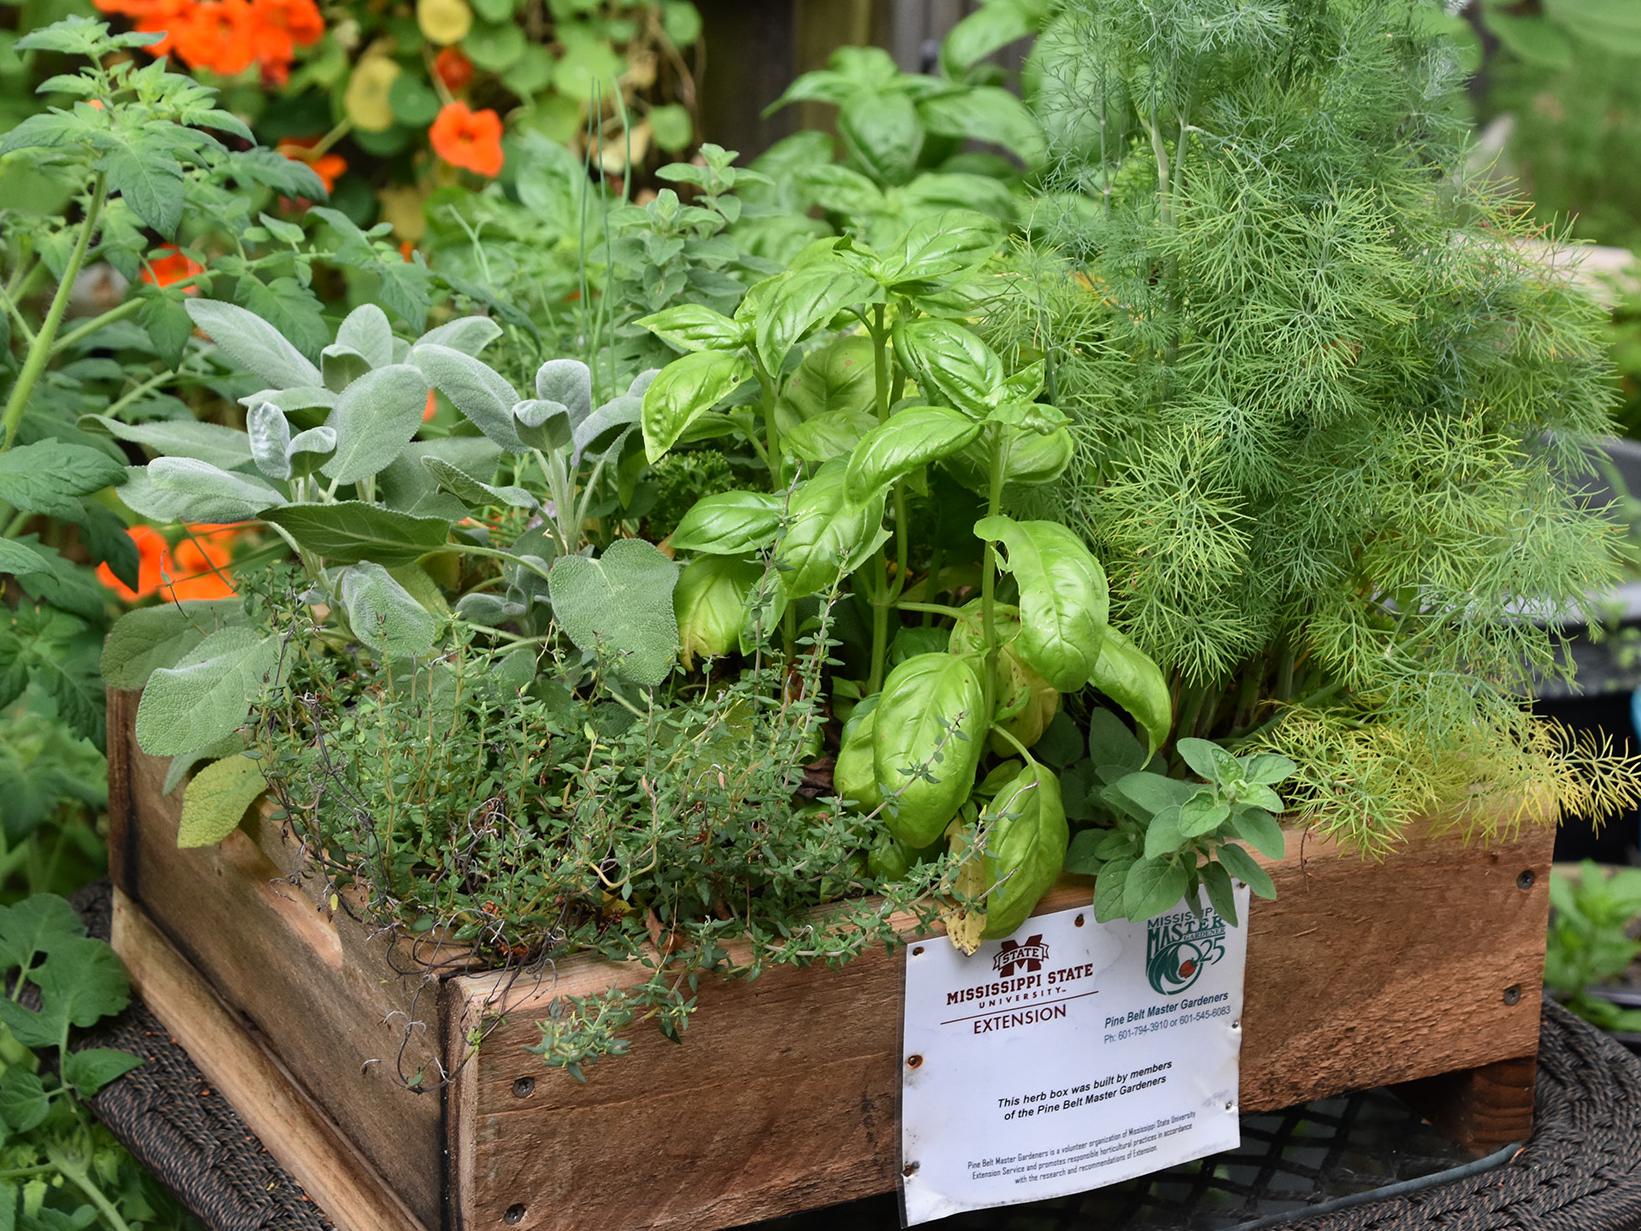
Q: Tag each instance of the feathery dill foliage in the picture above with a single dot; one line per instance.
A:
(479, 801)
(1324, 404)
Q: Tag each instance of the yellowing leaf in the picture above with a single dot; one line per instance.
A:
(965, 925)
(216, 799)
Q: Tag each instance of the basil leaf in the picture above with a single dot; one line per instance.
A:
(802, 300)
(1025, 847)
(938, 246)
(989, 28)
(710, 603)
(950, 362)
(986, 113)
(686, 389)
(829, 535)
(1063, 598)
(911, 438)
(889, 860)
(836, 375)
(854, 776)
(881, 134)
(1031, 459)
(926, 740)
(831, 434)
(691, 327)
(729, 523)
(1128, 676)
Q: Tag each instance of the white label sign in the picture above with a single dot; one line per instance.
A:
(1072, 1055)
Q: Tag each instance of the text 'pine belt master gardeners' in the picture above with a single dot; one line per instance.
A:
(1071, 1055)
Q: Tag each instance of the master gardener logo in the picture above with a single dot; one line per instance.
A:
(1179, 945)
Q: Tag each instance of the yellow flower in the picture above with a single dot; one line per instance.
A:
(365, 101)
(444, 21)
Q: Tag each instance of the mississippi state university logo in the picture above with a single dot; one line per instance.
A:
(1178, 946)
(1026, 956)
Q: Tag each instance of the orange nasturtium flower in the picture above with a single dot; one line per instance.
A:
(218, 35)
(150, 17)
(468, 139)
(226, 36)
(279, 27)
(167, 265)
(328, 167)
(453, 68)
(196, 568)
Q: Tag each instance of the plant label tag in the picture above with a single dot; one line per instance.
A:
(1072, 1055)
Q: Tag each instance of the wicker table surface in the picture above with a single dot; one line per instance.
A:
(1361, 1163)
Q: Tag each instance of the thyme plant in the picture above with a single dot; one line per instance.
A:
(1325, 404)
(499, 798)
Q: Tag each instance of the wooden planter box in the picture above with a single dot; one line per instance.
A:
(1423, 969)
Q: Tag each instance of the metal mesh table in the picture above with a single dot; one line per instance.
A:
(1363, 1162)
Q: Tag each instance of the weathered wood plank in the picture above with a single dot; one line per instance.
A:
(785, 1093)
(315, 983)
(295, 1131)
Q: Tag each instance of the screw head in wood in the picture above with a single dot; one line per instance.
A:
(1526, 879)
(524, 1087)
(515, 1214)
(1512, 994)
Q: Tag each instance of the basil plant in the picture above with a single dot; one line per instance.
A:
(893, 393)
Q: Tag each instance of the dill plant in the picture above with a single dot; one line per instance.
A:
(1325, 404)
